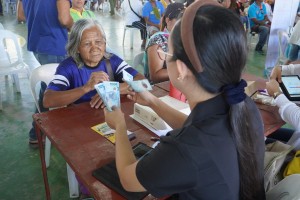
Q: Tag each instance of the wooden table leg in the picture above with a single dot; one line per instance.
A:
(42, 156)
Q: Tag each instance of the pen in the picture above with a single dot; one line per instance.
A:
(154, 139)
(131, 136)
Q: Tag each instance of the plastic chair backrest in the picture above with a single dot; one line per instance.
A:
(43, 73)
(283, 38)
(10, 50)
(138, 60)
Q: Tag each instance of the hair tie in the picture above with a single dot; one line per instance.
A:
(235, 93)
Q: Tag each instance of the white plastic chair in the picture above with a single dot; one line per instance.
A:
(11, 4)
(131, 29)
(11, 61)
(45, 73)
(287, 189)
(138, 60)
(283, 38)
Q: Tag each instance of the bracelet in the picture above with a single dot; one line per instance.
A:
(276, 94)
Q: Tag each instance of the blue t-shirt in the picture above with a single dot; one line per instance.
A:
(148, 12)
(256, 12)
(68, 76)
(45, 34)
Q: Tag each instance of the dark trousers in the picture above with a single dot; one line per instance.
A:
(142, 27)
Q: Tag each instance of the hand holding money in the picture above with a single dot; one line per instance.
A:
(138, 85)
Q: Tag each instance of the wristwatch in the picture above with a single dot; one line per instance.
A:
(276, 94)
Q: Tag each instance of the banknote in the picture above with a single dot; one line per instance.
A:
(110, 93)
(138, 85)
(127, 77)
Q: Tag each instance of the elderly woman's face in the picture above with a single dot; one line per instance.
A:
(92, 46)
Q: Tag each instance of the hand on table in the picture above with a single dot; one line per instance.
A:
(276, 74)
(272, 87)
(96, 102)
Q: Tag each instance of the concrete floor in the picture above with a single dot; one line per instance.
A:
(20, 167)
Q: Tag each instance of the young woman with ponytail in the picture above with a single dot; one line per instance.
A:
(216, 152)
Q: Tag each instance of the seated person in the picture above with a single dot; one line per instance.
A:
(288, 110)
(87, 65)
(133, 12)
(259, 23)
(217, 152)
(155, 64)
(152, 12)
(77, 11)
(294, 42)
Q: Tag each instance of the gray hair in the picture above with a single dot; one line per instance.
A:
(75, 37)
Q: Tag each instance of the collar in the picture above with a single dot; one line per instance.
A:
(76, 11)
(208, 109)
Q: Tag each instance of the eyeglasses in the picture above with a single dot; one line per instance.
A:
(163, 55)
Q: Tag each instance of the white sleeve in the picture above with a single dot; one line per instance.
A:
(288, 111)
(291, 69)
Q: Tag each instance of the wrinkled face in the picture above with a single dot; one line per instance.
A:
(92, 46)
(78, 4)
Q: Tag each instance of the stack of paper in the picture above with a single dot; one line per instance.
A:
(147, 117)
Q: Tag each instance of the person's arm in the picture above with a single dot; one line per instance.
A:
(156, 71)
(288, 111)
(291, 69)
(123, 86)
(150, 23)
(54, 98)
(20, 12)
(125, 159)
(64, 17)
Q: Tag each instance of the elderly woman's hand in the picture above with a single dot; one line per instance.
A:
(96, 102)
(276, 74)
(272, 87)
(95, 78)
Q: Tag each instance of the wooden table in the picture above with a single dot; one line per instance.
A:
(69, 130)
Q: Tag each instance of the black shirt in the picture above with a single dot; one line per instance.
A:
(198, 161)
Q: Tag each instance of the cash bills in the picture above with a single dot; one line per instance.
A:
(110, 93)
(138, 85)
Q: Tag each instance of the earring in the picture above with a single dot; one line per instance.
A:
(179, 78)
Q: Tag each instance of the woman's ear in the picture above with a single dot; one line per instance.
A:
(182, 70)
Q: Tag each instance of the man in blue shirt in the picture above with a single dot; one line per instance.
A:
(152, 12)
(259, 23)
(47, 23)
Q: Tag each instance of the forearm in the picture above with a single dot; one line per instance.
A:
(172, 117)
(159, 75)
(124, 153)
(64, 17)
(149, 23)
(54, 99)
(291, 69)
(288, 111)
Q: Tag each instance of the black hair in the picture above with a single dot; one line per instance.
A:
(172, 12)
(221, 46)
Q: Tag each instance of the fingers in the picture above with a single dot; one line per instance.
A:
(96, 102)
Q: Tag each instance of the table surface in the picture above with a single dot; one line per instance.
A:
(67, 126)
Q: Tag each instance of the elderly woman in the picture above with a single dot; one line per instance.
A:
(88, 64)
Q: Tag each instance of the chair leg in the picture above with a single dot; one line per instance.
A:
(47, 152)
(131, 37)
(124, 35)
(17, 82)
(1, 108)
(73, 183)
